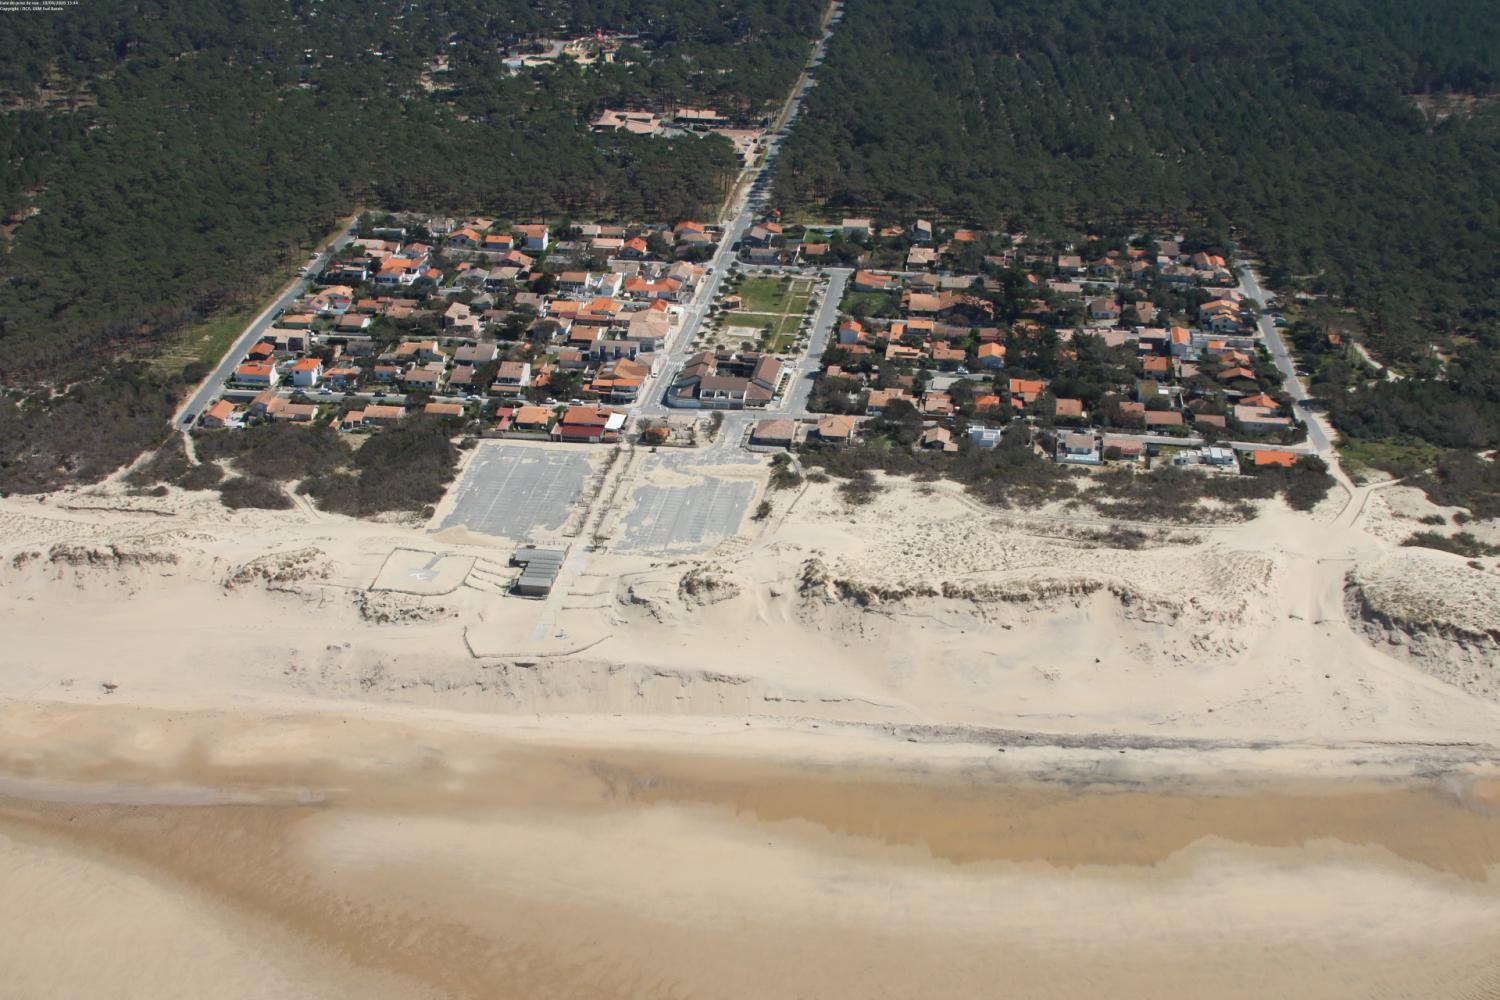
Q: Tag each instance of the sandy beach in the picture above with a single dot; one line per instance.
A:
(969, 753)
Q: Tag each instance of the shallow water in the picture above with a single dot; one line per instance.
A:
(475, 868)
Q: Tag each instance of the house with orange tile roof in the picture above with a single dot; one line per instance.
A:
(938, 439)
(869, 281)
(284, 411)
(1069, 410)
(1163, 418)
(467, 237)
(946, 358)
(1239, 373)
(1267, 457)
(307, 372)
(879, 399)
(1156, 366)
(221, 414)
(937, 404)
(532, 418)
(588, 424)
(398, 271)
(534, 237)
(377, 413)
(836, 428)
(991, 355)
(256, 374)
(1025, 391)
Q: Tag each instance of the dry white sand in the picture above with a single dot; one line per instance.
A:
(923, 748)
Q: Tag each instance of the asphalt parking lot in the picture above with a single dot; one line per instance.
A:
(695, 516)
(515, 491)
(685, 519)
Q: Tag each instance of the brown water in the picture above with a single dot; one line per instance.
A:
(480, 869)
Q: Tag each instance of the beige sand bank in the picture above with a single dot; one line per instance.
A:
(445, 859)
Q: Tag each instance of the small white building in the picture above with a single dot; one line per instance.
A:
(1078, 448)
(985, 437)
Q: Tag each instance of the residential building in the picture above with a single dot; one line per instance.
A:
(254, 374)
(836, 428)
(775, 433)
(306, 372)
(1078, 448)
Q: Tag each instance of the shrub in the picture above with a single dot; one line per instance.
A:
(403, 468)
(85, 433)
(201, 477)
(168, 464)
(276, 451)
(1463, 479)
(1463, 544)
(860, 489)
(254, 491)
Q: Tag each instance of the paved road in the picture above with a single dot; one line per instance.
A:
(806, 370)
(749, 201)
(213, 386)
(1317, 434)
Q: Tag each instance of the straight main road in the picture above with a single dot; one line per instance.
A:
(213, 386)
(806, 369)
(1250, 287)
(748, 200)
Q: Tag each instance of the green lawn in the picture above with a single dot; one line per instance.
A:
(779, 303)
(765, 295)
(205, 342)
(783, 328)
(873, 302)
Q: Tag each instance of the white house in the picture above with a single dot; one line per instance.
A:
(257, 374)
(985, 437)
(534, 237)
(1078, 448)
(307, 372)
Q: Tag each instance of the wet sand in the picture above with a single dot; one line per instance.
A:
(177, 855)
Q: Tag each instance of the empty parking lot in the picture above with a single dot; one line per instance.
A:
(516, 491)
(687, 518)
